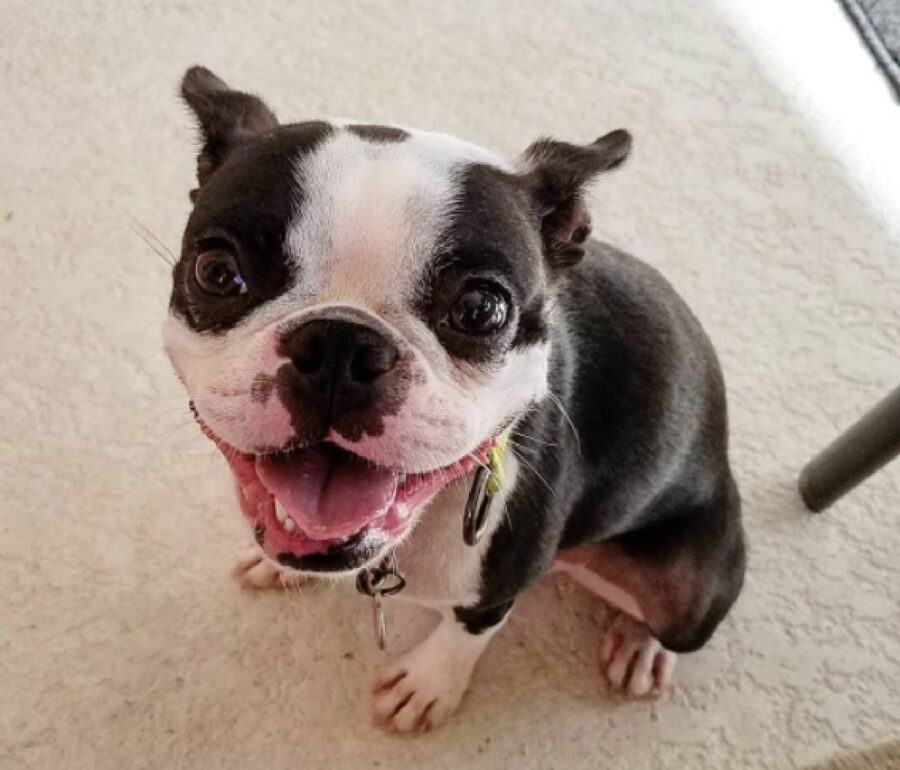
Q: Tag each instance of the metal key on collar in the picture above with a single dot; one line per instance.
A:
(378, 582)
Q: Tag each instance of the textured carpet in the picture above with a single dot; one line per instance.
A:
(879, 24)
(885, 757)
(759, 184)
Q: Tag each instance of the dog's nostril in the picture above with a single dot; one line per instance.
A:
(310, 357)
(339, 364)
(371, 361)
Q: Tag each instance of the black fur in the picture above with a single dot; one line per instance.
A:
(380, 134)
(492, 235)
(635, 374)
(556, 181)
(476, 621)
(225, 116)
(248, 201)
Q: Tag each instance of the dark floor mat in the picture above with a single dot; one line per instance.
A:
(879, 24)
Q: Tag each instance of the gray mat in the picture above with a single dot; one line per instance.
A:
(879, 24)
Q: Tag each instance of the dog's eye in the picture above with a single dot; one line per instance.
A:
(478, 309)
(217, 272)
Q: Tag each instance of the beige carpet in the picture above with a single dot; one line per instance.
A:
(885, 757)
(760, 185)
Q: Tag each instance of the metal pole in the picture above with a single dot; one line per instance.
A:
(852, 457)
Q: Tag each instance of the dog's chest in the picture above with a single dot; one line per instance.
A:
(440, 569)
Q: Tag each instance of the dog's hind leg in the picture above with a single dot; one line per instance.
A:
(632, 660)
(673, 580)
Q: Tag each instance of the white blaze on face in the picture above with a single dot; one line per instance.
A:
(368, 220)
(372, 213)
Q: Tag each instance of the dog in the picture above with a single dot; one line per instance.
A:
(383, 328)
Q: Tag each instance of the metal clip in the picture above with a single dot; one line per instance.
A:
(378, 620)
(476, 515)
(378, 582)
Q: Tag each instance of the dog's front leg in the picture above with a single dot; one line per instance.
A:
(426, 685)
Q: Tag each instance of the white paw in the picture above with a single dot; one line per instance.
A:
(414, 695)
(256, 571)
(425, 686)
(632, 661)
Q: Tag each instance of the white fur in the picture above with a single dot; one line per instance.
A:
(633, 661)
(426, 685)
(441, 570)
(373, 213)
(218, 373)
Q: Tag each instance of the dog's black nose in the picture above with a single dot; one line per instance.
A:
(339, 363)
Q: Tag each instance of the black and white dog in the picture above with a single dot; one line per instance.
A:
(361, 314)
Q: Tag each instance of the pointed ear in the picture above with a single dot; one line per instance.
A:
(225, 116)
(557, 174)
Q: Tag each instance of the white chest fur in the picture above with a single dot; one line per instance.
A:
(440, 569)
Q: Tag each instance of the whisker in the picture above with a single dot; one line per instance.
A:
(534, 471)
(153, 248)
(527, 437)
(552, 396)
(150, 233)
(156, 245)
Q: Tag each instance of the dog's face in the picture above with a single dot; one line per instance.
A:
(358, 311)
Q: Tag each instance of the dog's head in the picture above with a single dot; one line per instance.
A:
(359, 310)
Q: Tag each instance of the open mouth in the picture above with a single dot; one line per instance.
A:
(322, 508)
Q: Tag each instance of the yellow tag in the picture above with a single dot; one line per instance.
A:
(495, 463)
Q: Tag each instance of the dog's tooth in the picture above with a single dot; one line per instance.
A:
(289, 525)
(280, 513)
(401, 479)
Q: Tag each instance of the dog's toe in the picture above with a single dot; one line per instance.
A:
(420, 691)
(254, 571)
(392, 692)
(633, 662)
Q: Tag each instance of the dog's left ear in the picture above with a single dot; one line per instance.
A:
(556, 174)
(225, 117)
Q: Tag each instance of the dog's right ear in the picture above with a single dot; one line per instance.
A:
(556, 173)
(225, 117)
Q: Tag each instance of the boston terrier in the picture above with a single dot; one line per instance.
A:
(423, 373)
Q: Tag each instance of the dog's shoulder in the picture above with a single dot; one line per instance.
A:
(647, 394)
(611, 290)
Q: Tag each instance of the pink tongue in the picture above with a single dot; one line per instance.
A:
(329, 493)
